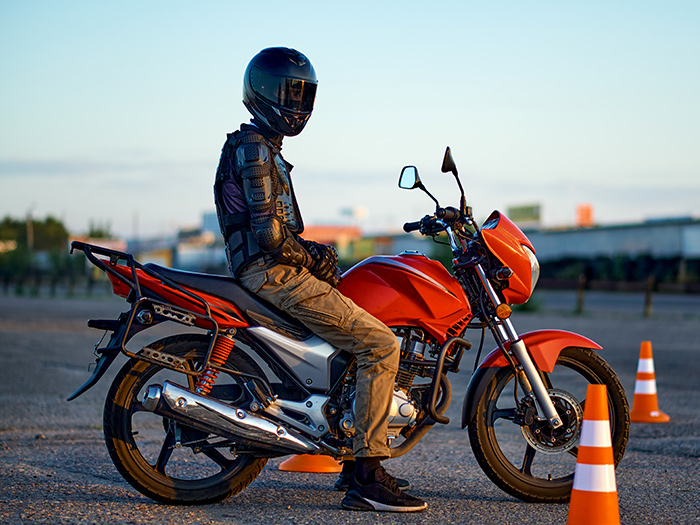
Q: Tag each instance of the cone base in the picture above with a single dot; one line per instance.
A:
(655, 416)
(310, 463)
(587, 507)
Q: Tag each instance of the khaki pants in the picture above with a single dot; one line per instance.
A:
(335, 318)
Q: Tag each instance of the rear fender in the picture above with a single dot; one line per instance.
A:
(544, 347)
(123, 329)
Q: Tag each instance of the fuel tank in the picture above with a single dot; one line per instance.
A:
(409, 290)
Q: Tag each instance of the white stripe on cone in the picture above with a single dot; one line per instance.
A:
(595, 434)
(595, 478)
(645, 386)
(646, 366)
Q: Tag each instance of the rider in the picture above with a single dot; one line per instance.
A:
(261, 224)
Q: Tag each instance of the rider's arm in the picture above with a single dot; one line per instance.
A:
(254, 163)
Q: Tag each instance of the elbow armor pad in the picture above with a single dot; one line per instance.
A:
(273, 238)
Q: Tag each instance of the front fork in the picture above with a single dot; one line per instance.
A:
(526, 371)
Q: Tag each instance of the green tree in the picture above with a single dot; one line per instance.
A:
(47, 234)
(100, 230)
(18, 263)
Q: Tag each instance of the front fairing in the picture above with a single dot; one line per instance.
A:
(409, 290)
(506, 242)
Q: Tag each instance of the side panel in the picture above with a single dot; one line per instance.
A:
(310, 360)
(223, 312)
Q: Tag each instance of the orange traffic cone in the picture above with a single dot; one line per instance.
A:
(594, 496)
(645, 405)
(310, 463)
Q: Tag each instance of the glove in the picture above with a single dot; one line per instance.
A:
(324, 262)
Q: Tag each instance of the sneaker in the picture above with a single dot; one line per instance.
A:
(382, 495)
(342, 484)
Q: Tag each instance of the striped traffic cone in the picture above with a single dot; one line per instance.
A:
(594, 496)
(645, 405)
(310, 463)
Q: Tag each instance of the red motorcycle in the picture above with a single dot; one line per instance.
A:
(193, 418)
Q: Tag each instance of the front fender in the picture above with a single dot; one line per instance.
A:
(544, 347)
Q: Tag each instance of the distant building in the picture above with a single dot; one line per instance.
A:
(527, 216)
(210, 223)
(202, 250)
(339, 237)
(664, 238)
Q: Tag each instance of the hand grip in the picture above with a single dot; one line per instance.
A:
(411, 226)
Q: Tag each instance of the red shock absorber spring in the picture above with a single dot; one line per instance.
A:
(219, 355)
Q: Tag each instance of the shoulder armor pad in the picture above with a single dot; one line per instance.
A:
(252, 154)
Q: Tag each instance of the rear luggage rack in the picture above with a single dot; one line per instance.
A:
(123, 330)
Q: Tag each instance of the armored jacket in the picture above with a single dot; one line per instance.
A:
(255, 202)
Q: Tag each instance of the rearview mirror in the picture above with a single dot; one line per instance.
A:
(409, 178)
(448, 163)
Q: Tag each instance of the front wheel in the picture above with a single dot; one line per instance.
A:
(530, 460)
(166, 461)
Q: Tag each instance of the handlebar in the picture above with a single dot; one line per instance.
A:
(411, 226)
(428, 225)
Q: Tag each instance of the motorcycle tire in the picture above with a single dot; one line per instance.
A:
(532, 462)
(168, 462)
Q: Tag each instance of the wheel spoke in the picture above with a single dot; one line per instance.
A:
(165, 452)
(503, 413)
(137, 406)
(527, 460)
(217, 457)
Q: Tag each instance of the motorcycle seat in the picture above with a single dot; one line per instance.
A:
(256, 310)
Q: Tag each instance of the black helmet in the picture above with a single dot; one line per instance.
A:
(279, 88)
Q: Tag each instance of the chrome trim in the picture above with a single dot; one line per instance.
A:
(210, 415)
(313, 407)
(542, 398)
(517, 346)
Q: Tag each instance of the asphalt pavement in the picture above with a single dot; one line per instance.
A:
(55, 468)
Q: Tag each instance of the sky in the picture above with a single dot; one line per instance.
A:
(114, 113)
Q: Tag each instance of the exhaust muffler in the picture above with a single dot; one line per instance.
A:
(210, 415)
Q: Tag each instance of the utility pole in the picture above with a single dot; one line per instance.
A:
(30, 229)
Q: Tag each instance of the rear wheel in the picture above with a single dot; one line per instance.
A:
(162, 459)
(531, 461)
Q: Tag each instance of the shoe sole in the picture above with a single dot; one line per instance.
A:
(346, 486)
(351, 502)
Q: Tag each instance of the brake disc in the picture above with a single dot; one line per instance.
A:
(543, 438)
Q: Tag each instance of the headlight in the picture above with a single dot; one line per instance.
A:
(534, 267)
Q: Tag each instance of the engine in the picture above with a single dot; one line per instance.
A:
(414, 345)
(409, 393)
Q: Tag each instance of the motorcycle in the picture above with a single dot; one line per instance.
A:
(193, 418)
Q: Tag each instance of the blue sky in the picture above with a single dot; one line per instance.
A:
(116, 112)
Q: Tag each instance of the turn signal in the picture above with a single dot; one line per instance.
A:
(503, 311)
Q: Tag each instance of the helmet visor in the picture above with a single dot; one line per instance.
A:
(288, 93)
